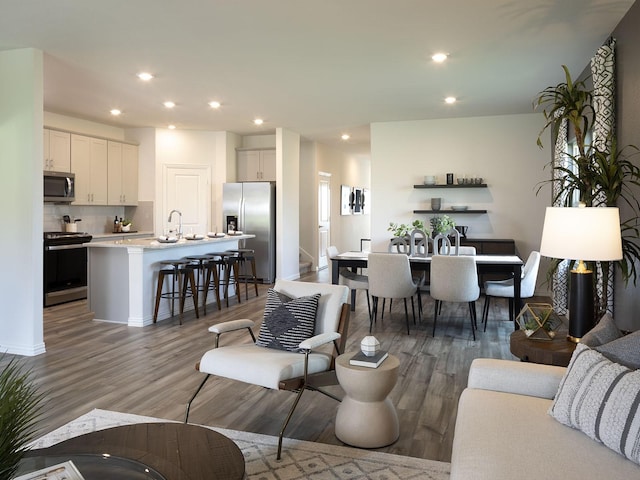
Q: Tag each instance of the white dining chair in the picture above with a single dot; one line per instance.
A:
(351, 279)
(454, 278)
(390, 277)
(504, 288)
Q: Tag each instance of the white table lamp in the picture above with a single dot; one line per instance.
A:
(583, 234)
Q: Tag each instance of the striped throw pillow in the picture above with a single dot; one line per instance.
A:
(601, 399)
(287, 321)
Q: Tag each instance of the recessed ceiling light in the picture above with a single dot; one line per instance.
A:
(258, 121)
(172, 127)
(169, 104)
(439, 57)
(214, 104)
(450, 100)
(145, 76)
(115, 112)
(345, 136)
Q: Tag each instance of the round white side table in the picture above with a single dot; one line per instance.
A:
(366, 417)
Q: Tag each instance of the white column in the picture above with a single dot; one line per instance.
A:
(21, 102)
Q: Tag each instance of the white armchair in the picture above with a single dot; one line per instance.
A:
(311, 369)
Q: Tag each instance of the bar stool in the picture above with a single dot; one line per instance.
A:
(228, 273)
(247, 255)
(180, 273)
(198, 263)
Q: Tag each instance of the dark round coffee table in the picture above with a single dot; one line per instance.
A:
(177, 451)
(549, 352)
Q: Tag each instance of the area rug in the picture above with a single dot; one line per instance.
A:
(300, 459)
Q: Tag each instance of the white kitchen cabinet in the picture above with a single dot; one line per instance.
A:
(122, 173)
(89, 163)
(56, 150)
(256, 165)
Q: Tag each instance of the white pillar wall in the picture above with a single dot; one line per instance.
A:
(21, 121)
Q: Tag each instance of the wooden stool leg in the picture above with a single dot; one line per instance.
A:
(236, 281)
(216, 282)
(194, 291)
(253, 273)
(158, 295)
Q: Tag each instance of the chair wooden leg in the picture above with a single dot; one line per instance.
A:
(435, 315)
(406, 314)
(194, 290)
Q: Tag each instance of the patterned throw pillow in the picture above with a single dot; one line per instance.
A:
(287, 321)
(601, 399)
(604, 332)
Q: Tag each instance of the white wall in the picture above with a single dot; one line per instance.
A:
(287, 205)
(21, 121)
(501, 149)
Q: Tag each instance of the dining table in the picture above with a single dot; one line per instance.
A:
(509, 265)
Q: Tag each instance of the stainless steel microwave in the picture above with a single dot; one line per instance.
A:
(59, 187)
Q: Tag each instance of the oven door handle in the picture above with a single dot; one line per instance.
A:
(65, 247)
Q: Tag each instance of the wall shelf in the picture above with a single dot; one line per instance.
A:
(450, 212)
(455, 185)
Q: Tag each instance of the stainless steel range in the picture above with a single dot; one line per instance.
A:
(65, 267)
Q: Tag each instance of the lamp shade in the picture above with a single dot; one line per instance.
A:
(582, 233)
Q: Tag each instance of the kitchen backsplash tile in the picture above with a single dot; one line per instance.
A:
(97, 219)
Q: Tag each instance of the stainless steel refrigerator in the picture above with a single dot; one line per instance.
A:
(251, 208)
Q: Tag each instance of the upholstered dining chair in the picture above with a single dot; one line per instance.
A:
(351, 279)
(293, 350)
(390, 277)
(454, 278)
(504, 288)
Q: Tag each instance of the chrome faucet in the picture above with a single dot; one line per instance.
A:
(179, 221)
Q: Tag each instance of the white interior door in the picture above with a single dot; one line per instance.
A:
(186, 189)
(324, 218)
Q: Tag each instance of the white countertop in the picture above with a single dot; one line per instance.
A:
(153, 243)
(100, 237)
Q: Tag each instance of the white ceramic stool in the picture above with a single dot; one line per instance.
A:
(366, 417)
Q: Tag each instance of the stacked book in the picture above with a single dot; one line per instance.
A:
(374, 361)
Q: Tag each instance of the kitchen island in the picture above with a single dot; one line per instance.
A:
(122, 275)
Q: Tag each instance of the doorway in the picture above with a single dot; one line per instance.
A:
(186, 189)
(324, 217)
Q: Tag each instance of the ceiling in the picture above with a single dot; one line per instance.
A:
(318, 67)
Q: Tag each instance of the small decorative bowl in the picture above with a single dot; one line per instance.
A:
(369, 345)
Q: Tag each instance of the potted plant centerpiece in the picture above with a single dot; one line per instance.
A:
(404, 230)
(20, 407)
(441, 224)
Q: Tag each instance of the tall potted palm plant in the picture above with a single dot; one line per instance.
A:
(603, 176)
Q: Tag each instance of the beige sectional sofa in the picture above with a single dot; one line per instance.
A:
(503, 430)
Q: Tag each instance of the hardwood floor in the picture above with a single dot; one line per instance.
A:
(150, 371)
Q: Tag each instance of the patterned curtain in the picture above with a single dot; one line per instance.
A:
(604, 103)
(560, 282)
(603, 73)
